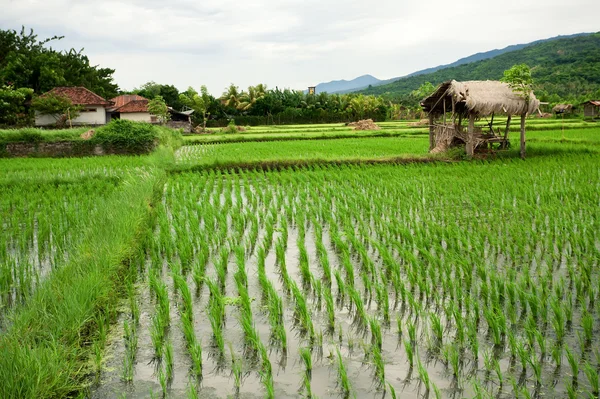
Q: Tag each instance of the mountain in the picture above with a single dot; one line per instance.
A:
(484, 56)
(337, 86)
(567, 67)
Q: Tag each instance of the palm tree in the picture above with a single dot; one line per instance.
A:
(248, 99)
(231, 96)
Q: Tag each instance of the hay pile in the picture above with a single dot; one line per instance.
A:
(88, 135)
(364, 124)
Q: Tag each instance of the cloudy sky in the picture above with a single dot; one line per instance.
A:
(288, 43)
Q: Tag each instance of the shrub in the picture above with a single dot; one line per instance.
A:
(128, 135)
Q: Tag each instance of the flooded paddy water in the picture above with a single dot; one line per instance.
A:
(359, 282)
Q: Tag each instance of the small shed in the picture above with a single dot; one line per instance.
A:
(562, 109)
(591, 109)
(452, 101)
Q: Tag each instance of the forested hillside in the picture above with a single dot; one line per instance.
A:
(563, 70)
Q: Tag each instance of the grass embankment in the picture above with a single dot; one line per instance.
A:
(119, 136)
(49, 339)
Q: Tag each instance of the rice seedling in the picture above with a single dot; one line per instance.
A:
(574, 363)
(379, 365)
(593, 379)
(236, 371)
(424, 378)
(169, 360)
(343, 381)
(196, 355)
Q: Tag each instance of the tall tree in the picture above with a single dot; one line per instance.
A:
(158, 107)
(200, 103)
(26, 61)
(520, 81)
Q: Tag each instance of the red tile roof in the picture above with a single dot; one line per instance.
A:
(79, 95)
(125, 98)
(134, 106)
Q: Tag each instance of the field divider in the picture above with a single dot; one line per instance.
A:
(242, 139)
(46, 347)
(275, 165)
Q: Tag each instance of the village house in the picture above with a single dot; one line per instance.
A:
(130, 107)
(93, 107)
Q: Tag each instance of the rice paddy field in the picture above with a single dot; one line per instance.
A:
(347, 267)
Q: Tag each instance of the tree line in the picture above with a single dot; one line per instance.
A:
(29, 67)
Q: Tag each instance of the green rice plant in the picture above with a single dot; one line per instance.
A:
(376, 337)
(343, 381)
(571, 388)
(196, 356)
(169, 360)
(437, 329)
(379, 367)
(412, 332)
(593, 378)
(162, 378)
(341, 288)
(424, 378)
(186, 296)
(557, 352)
(392, 391)
(236, 371)
(306, 356)
(360, 315)
(408, 348)
(215, 316)
(574, 363)
(536, 366)
(187, 327)
(157, 335)
(192, 390)
(453, 359)
(587, 322)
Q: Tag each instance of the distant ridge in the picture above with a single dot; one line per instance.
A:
(363, 82)
(337, 86)
(568, 67)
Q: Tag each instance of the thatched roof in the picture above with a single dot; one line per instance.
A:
(560, 108)
(481, 98)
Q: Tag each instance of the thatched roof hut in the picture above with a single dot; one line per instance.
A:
(478, 97)
(562, 108)
(475, 99)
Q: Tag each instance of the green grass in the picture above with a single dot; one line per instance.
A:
(48, 339)
(469, 259)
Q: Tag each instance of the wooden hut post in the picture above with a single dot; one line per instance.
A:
(470, 133)
(431, 132)
(504, 143)
(523, 136)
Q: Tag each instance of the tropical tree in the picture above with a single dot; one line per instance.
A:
(13, 108)
(59, 107)
(200, 103)
(249, 98)
(231, 96)
(158, 107)
(520, 81)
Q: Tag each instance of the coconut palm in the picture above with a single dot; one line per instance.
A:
(231, 96)
(247, 99)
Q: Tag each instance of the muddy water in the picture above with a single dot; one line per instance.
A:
(288, 371)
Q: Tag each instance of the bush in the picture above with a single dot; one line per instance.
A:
(127, 135)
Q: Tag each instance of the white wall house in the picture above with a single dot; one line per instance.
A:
(93, 107)
(137, 116)
(91, 115)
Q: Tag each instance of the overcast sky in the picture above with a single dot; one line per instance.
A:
(288, 43)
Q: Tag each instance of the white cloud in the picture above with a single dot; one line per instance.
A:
(288, 43)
